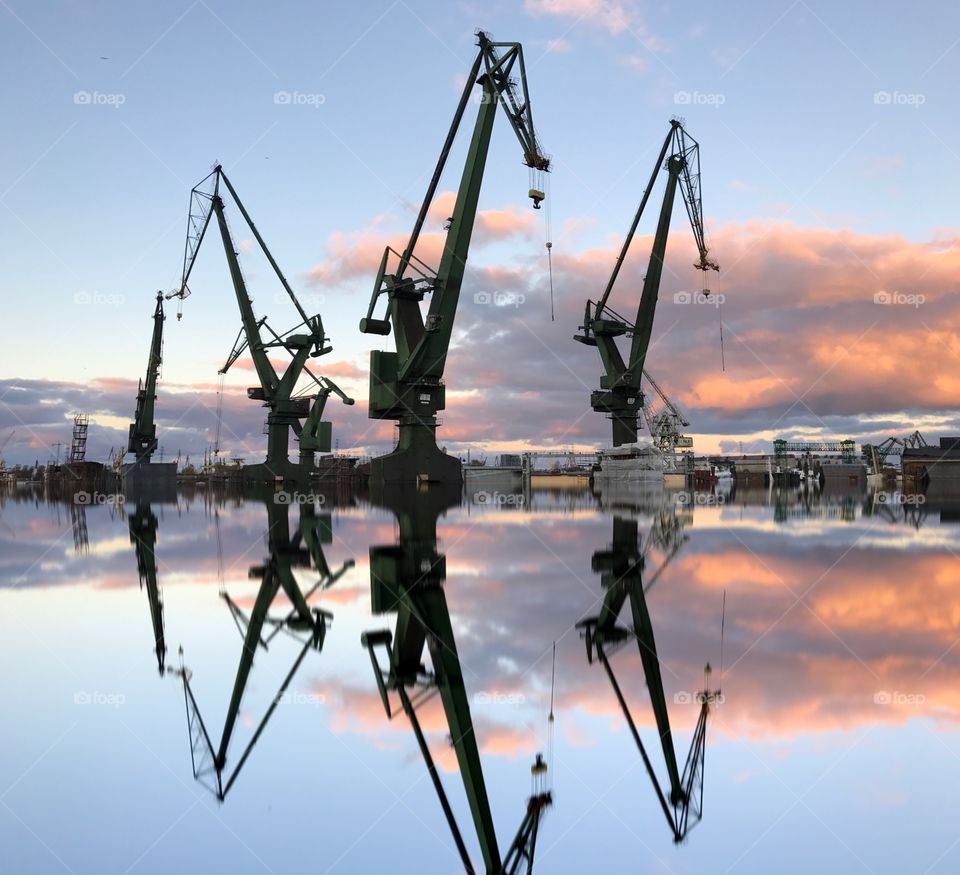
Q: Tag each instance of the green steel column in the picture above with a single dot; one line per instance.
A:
(651, 284)
(429, 356)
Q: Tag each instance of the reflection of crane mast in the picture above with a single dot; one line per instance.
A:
(621, 567)
(287, 411)
(620, 394)
(143, 535)
(407, 385)
(285, 553)
(407, 578)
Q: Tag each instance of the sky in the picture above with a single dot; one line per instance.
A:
(829, 156)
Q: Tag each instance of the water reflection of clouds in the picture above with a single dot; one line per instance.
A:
(880, 609)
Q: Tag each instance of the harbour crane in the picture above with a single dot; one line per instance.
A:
(143, 430)
(306, 623)
(665, 425)
(620, 395)
(289, 410)
(407, 579)
(407, 385)
(621, 568)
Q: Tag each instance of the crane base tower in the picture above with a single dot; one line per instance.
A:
(416, 459)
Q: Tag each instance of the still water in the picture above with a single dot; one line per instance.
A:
(823, 739)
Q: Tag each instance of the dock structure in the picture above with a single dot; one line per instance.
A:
(936, 467)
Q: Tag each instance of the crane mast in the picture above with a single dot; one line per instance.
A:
(620, 395)
(288, 411)
(143, 430)
(407, 385)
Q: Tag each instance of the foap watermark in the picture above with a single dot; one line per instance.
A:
(99, 98)
(885, 697)
(93, 498)
(698, 298)
(500, 299)
(684, 697)
(699, 98)
(299, 498)
(701, 499)
(312, 699)
(308, 300)
(898, 299)
(299, 98)
(98, 299)
(492, 697)
(500, 499)
(900, 498)
(95, 697)
(899, 98)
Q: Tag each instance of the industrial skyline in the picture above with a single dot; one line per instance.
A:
(839, 261)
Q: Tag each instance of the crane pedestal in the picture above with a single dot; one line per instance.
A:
(417, 458)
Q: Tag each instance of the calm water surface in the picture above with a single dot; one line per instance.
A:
(832, 744)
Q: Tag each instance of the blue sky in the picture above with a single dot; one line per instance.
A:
(782, 97)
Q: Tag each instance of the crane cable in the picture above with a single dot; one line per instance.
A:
(548, 221)
(216, 442)
(550, 718)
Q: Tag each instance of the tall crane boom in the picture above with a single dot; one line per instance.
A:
(407, 385)
(288, 411)
(142, 439)
(620, 395)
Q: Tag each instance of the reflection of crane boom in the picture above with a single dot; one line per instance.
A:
(209, 761)
(621, 569)
(407, 578)
(620, 395)
(143, 534)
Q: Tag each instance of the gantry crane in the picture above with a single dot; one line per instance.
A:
(620, 395)
(143, 430)
(621, 568)
(407, 385)
(210, 762)
(407, 579)
(143, 535)
(288, 409)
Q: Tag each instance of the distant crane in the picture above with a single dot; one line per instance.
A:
(877, 454)
(288, 411)
(665, 425)
(143, 430)
(620, 395)
(407, 385)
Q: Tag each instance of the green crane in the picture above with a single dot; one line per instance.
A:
(407, 579)
(288, 410)
(621, 568)
(143, 430)
(407, 385)
(620, 395)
